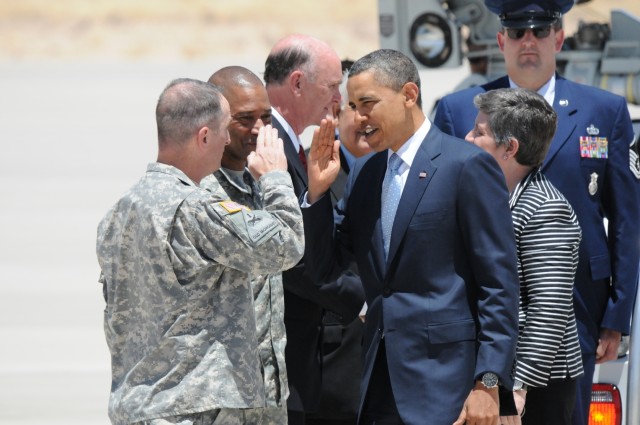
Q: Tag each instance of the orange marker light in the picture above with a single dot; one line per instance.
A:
(606, 407)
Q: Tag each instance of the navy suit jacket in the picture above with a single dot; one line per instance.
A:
(446, 301)
(607, 275)
(305, 302)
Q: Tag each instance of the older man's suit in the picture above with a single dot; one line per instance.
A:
(446, 301)
(607, 275)
(305, 303)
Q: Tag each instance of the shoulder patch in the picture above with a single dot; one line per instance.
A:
(260, 226)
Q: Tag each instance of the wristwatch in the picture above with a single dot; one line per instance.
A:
(519, 385)
(489, 380)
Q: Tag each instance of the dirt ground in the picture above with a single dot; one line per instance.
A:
(170, 29)
(199, 29)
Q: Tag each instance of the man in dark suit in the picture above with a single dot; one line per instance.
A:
(302, 76)
(439, 274)
(342, 334)
(589, 162)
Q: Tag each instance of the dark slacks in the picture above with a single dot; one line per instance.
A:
(552, 405)
(316, 421)
(583, 393)
(295, 417)
(379, 405)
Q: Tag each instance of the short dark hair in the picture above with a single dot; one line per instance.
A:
(185, 106)
(520, 114)
(390, 68)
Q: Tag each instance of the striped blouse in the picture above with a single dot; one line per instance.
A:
(547, 236)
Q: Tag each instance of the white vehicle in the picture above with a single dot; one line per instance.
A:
(603, 55)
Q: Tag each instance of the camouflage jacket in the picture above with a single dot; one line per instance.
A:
(179, 319)
(268, 292)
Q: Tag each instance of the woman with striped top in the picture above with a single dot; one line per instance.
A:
(516, 126)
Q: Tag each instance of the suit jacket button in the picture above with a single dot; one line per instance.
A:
(386, 292)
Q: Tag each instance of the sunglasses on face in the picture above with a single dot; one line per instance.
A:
(518, 33)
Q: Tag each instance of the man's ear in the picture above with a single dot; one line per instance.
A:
(500, 38)
(411, 92)
(296, 80)
(559, 39)
(204, 137)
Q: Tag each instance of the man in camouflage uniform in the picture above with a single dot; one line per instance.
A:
(251, 111)
(175, 261)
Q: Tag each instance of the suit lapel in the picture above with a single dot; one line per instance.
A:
(420, 174)
(290, 152)
(566, 107)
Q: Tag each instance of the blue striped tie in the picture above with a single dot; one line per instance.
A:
(391, 192)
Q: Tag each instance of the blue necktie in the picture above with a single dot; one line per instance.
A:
(391, 192)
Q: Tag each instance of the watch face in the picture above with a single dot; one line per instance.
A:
(490, 380)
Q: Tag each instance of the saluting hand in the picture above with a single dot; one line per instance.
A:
(323, 164)
(269, 154)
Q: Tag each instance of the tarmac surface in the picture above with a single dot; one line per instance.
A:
(75, 136)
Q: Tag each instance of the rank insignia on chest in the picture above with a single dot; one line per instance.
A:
(594, 147)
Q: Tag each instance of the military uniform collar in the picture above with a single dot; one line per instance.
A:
(548, 90)
(158, 167)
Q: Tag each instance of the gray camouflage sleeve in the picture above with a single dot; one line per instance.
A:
(255, 241)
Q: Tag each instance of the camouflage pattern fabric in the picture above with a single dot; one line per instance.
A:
(214, 417)
(175, 263)
(268, 292)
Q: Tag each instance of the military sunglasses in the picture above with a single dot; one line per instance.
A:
(518, 33)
